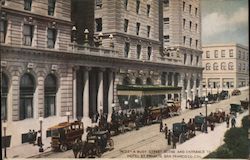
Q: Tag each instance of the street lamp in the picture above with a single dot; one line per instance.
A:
(4, 134)
(111, 41)
(206, 101)
(41, 145)
(126, 103)
(113, 106)
(68, 114)
(137, 102)
(100, 35)
(86, 37)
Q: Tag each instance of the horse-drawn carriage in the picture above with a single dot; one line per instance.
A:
(97, 142)
(65, 134)
(235, 108)
(236, 92)
(155, 114)
(199, 122)
(223, 95)
(174, 107)
(244, 104)
(180, 130)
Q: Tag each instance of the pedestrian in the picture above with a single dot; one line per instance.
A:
(34, 137)
(39, 139)
(233, 122)
(166, 131)
(174, 140)
(169, 137)
(30, 137)
(161, 126)
(227, 120)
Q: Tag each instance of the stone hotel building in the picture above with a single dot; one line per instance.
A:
(83, 57)
(226, 67)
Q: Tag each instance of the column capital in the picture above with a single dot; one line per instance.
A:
(87, 68)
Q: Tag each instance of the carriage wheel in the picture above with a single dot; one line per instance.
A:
(110, 144)
(98, 152)
(63, 147)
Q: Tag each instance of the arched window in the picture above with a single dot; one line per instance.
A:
(223, 66)
(230, 66)
(138, 81)
(50, 89)
(126, 81)
(208, 66)
(215, 66)
(163, 79)
(149, 81)
(27, 88)
(4, 97)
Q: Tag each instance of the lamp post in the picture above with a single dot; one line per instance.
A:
(111, 41)
(4, 134)
(68, 114)
(41, 131)
(126, 103)
(100, 35)
(113, 106)
(74, 36)
(137, 102)
(86, 37)
(206, 100)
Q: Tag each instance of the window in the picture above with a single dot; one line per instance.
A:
(126, 81)
(138, 28)
(239, 68)
(196, 11)
(166, 3)
(149, 53)
(239, 55)
(196, 43)
(215, 66)
(223, 54)
(138, 81)
(185, 58)
(149, 81)
(166, 38)
(137, 6)
(27, 34)
(184, 23)
(148, 31)
(27, 5)
(126, 4)
(190, 42)
(98, 24)
(184, 40)
(184, 4)
(125, 25)
(196, 27)
(243, 55)
(98, 3)
(191, 59)
(27, 88)
(208, 66)
(148, 10)
(231, 53)
(166, 23)
(223, 66)
(190, 25)
(50, 89)
(51, 7)
(216, 54)
(138, 50)
(126, 49)
(243, 67)
(207, 54)
(51, 38)
(230, 66)
(3, 30)
(190, 8)
(4, 94)
(197, 60)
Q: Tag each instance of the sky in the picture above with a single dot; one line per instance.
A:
(225, 21)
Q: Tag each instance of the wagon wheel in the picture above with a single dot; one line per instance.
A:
(63, 147)
(110, 144)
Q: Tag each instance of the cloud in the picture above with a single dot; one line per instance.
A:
(216, 23)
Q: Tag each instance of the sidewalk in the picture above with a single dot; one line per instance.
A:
(202, 144)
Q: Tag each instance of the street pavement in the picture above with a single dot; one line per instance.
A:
(146, 142)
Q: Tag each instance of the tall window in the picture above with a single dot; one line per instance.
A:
(190, 25)
(184, 4)
(197, 60)
(4, 96)
(196, 27)
(184, 40)
(196, 11)
(138, 81)
(27, 5)
(223, 66)
(27, 88)
(166, 23)
(243, 66)
(223, 54)
(184, 23)
(27, 35)
(216, 54)
(230, 66)
(208, 66)
(50, 89)
(137, 6)
(125, 25)
(207, 54)
(191, 59)
(196, 43)
(243, 55)
(126, 49)
(166, 38)
(185, 58)
(231, 53)
(126, 81)
(3, 30)
(190, 8)
(149, 81)
(51, 7)
(138, 28)
(51, 38)
(215, 66)
(138, 50)
(148, 31)
(166, 3)
(98, 3)
(126, 4)
(148, 9)
(98, 24)
(190, 42)
(239, 55)
(149, 53)
(239, 68)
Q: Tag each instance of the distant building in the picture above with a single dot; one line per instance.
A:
(226, 67)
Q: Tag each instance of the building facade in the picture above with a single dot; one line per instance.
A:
(226, 67)
(50, 68)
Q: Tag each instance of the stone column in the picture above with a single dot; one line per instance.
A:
(166, 76)
(188, 87)
(194, 88)
(200, 88)
(172, 95)
(86, 93)
(182, 96)
(100, 90)
(111, 91)
(74, 92)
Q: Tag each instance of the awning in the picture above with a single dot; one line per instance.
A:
(146, 90)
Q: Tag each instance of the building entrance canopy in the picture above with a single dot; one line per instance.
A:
(146, 90)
